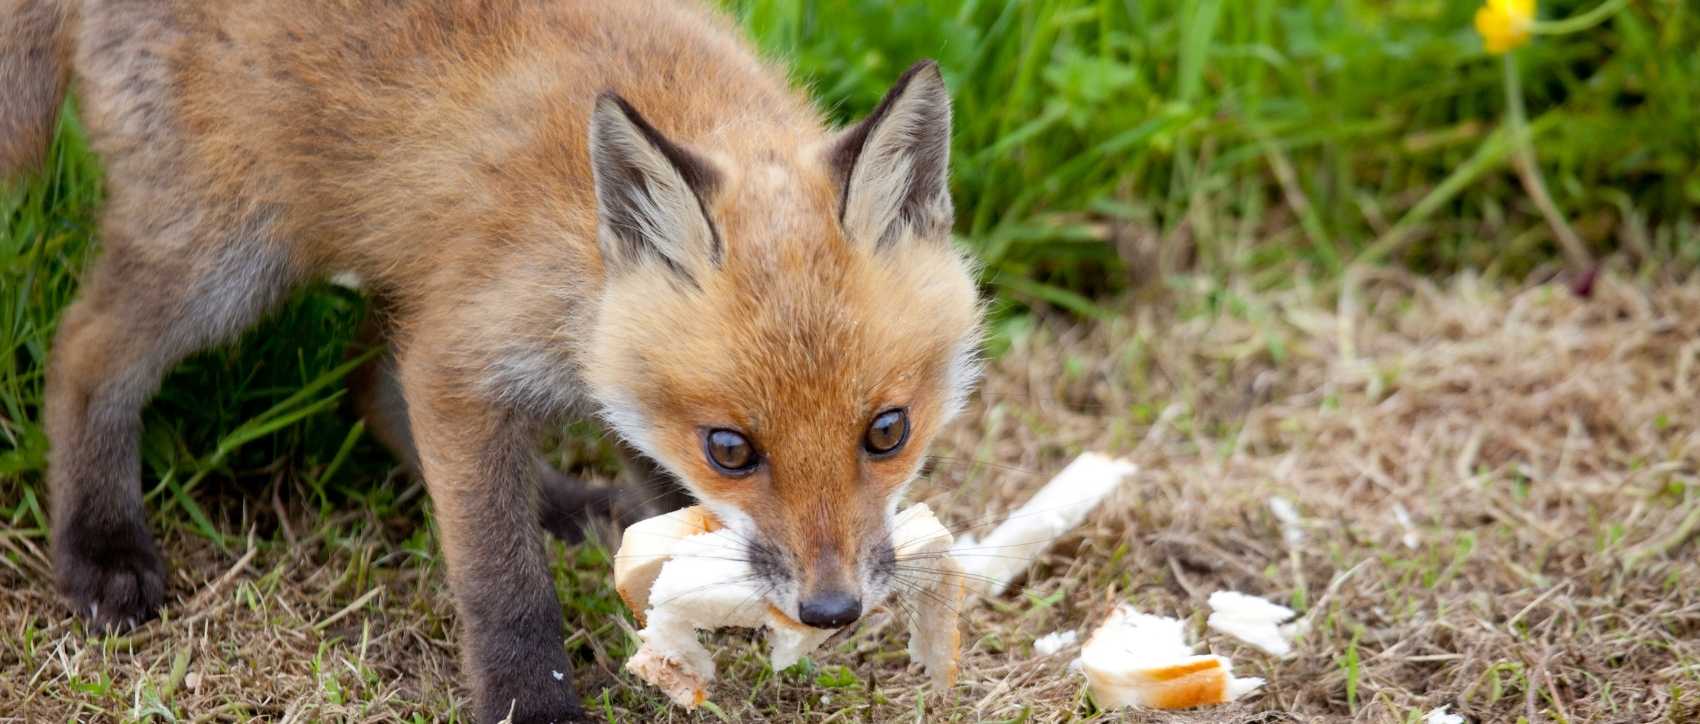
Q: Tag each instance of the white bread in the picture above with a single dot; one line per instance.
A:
(1252, 620)
(1051, 513)
(1136, 659)
(648, 544)
(935, 638)
(681, 573)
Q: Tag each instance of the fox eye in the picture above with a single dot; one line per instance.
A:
(729, 452)
(887, 433)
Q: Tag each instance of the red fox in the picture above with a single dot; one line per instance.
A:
(593, 209)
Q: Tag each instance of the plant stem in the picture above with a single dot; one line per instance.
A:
(1579, 22)
(1523, 149)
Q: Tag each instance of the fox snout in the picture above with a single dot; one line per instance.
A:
(834, 589)
(829, 593)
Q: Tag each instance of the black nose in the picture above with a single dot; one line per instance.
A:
(829, 610)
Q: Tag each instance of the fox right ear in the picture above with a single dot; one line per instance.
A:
(650, 194)
(893, 167)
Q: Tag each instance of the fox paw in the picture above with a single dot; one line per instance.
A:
(551, 700)
(115, 582)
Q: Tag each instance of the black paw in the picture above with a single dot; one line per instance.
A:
(115, 582)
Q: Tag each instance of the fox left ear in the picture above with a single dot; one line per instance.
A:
(650, 194)
(893, 168)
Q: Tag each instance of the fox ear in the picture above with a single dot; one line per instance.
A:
(650, 194)
(893, 167)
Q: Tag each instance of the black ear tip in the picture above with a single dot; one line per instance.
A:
(925, 73)
(925, 68)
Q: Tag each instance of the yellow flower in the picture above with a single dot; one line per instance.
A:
(1504, 24)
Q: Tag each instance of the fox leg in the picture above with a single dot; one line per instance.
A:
(566, 504)
(482, 473)
(157, 293)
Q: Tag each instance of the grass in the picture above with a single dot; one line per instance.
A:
(1546, 571)
(1103, 143)
(1168, 196)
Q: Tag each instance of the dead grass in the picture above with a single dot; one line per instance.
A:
(1545, 448)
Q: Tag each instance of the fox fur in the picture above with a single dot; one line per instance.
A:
(565, 209)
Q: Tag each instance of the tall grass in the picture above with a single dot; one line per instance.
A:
(1101, 139)
(1098, 145)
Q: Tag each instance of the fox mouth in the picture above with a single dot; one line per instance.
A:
(777, 572)
(768, 564)
(771, 569)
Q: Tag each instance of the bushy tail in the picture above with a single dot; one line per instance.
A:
(34, 69)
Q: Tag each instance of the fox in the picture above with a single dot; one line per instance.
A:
(616, 211)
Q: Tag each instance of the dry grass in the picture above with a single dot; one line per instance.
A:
(1545, 448)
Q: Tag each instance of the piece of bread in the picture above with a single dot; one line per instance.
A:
(703, 583)
(1136, 659)
(1027, 532)
(789, 640)
(919, 541)
(1252, 620)
(684, 685)
(681, 573)
(647, 545)
(935, 636)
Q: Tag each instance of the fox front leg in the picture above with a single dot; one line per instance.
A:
(481, 472)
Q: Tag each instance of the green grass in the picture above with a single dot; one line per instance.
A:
(1101, 147)
(1081, 124)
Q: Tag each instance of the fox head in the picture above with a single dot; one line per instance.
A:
(786, 329)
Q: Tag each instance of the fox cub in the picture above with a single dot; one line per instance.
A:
(595, 209)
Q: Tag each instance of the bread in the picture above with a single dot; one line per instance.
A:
(936, 597)
(1136, 659)
(646, 545)
(1054, 511)
(1252, 620)
(680, 573)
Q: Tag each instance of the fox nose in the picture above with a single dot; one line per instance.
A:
(829, 609)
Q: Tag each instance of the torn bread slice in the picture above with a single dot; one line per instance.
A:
(1136, 659)
(936, 592)
(647, 545)
(704, 582)
(1026, 533)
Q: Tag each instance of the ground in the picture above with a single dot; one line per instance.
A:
(1542, 447)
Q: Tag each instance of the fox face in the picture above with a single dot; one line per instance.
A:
(785, 326)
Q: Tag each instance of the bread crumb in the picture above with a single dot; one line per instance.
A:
(1252, 620)
(1403, 518)
(1053, 642)
(1292, 526)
